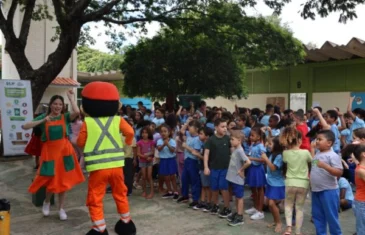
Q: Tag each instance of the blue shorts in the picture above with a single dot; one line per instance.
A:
(237, 190)
(218, 180)
(205, 179)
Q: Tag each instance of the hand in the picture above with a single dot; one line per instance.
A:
(70, 94)
(316, 111)
(241, 173)
(321, 164)
(166, 142)
(263, 156)
(313, 144)
(352, 98)
(206, 171)
(184, 145)
(47, 119)
(149, 159)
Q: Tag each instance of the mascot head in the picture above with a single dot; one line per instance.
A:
(100, 99)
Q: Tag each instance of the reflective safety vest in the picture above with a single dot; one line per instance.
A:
(104, 147)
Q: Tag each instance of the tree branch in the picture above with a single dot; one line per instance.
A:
(80, 6)
(27, 19)
(58, 12)
(11, 12)
(97, 15)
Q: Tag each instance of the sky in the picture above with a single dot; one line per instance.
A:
(315, 31)
(308, 31)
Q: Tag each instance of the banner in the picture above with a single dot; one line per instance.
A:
(16, 109)
(359, 101)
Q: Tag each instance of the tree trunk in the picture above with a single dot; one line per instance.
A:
(170, 102)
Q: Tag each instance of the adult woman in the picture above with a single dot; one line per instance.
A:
(59, 170)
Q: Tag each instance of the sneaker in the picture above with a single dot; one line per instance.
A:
(199, 206)
(193, 204)
(214, 210)
(182, 199)
(46, 208)
(62, 214)
(258, 216)
(168, 195)
(136, 186)
(238, 220)
(225, 212)
(251, 211)
(231, 217)
(176, 196)
(207, 208)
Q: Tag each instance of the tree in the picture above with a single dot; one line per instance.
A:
(91, 60)
(74, 15)
(207, 56)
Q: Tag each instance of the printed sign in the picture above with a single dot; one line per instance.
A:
(359, 101)
(16, 109)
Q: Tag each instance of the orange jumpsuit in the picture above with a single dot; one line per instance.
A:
(99, 180)
(59, 169)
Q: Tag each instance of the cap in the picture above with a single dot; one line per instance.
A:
(100, 91)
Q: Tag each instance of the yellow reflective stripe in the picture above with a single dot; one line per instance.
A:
(106, 165)
(96, 157)
(104, 160)
(99, 152)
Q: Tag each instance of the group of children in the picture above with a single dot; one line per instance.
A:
(280, 157)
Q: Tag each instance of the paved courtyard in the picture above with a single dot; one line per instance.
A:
(153, 217)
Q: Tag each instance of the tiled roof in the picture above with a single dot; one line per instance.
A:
(330, 51)
(61, 81)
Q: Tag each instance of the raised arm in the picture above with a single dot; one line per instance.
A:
(323, 122)
(32, 124)
(75, 112)
(349, 107)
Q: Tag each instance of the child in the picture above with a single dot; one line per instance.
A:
(217, 152)
(145, 153)
(273, 131)
(168, 165)
(346, 195)
(296, 162)
(205, 196)
(326, 167)
(358, 156)
(256, 173)
(159, 120)
(356, 115)
(241, 123)
(302, 127)
(190, 175)
(235, 176)
(328, 122)
(275, 187)
(269, 111)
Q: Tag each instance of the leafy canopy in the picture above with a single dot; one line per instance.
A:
(207, 55)
(91, 60)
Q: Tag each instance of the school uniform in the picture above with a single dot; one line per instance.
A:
(349, 196)
(255, 177)
(238, 159)
(246, 131)
(168, 164)
(275, 186)
(190, 174)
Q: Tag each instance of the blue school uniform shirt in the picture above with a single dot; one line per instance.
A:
(276, 178)
(344, 184)
(347, 135)
(158, 121)
(195, 143)
(314, 123)
(210, 125)
(265, 120)
(256, 150)
(357, 124)
(165, 152)
(183, 119)
(274, 132)
(336, 145)
(246, 131)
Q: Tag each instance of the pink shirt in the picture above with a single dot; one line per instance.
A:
(145, 148)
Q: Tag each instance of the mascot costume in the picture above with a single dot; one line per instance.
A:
(104, 156)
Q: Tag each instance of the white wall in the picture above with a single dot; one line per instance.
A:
(330, 100)
(39, 44)
(253, 101)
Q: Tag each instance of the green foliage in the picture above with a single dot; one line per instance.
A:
(91, 60)
(208, 55)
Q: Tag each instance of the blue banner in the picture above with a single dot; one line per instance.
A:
(359, 101)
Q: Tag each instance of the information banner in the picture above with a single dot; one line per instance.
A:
(16, 109)
(359, 101)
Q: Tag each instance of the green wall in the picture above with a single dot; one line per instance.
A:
(335, 76)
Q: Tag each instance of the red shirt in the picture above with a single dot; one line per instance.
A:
(303, 128)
